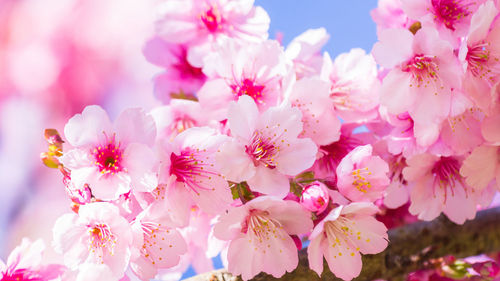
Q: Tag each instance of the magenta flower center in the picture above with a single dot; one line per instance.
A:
(21, 275)
(212, 19)
(190, 169)
(423, 69)
(478, 58)
(108, 158)
(185, 68)
(262, 151)
(101, 238)
(446, 174)
(181, 124)
(250, 88)
(449, 12)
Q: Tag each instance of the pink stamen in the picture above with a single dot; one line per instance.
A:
(262, 150)
(191, 170)
(250, 88)
(108, 158)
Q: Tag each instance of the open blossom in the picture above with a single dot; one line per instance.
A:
(481, 54)
(362, 176)
(258, 70)
(96, 235)
(450, 17)
(179, 77)
(482, 167)
(354, 86)
(189, 172)
(305, 52)
(25, 263)
(259, 234)
(425, 79)
(111, 158)
(439, 187)
(158, 243)
(319, 119)
(265, 148)
(201, 23)
(342, 235)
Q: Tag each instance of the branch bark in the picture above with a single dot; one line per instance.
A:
(410, 248)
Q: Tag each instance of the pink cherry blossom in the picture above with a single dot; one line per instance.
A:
(439, 187)
(305, 52)
(354, 86)
(258, 70)
(159, 244)
(425, 79)
(188, 169)
(97, 235)
(481, 54)
(450, 17)
(25, 263)
(311, 96)
(362, 176)
(111, 158)
(201, 23)
(342, 235)
(315, 197)
(482, 167)
(261, 230)
(265, 148)
(180, 77)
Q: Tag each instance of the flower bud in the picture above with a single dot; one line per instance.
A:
(315, 197)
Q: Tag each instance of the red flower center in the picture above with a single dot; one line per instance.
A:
(449, 12)
(250, 88)
(262, 150)
(108, 158)
(212, 19)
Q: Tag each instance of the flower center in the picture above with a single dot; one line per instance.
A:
(259, 225)
(449, 12)
(101, 238)
(262, 151)
(108, 157)
(423, 69)
(185, 68)
(360, 179)
(250, 88)
(482, 63)
(190, 169)
(446, 174)
(212, 19)
(181, 124)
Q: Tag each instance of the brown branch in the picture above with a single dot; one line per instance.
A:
(410, 248)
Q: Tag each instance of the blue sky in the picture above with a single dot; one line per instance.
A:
(347, 21)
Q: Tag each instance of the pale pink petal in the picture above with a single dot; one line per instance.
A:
(480, 166)
(396, 195)
(269, 182)
(315, 255)
(481, 21)
(87, 127)
(297, 157)
(234, 163)
(229, 224)
(426, 202)
(67, 234)
(140, 162)
(343, 262)
(491, 128)
(109, 186)
(373, 235)
(94, 272)
(459, 205)
(394, 46)
(134, 125)
(395, 93)
(283, 121)
(215, 95)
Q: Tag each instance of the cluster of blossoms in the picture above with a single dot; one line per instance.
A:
(261, 147)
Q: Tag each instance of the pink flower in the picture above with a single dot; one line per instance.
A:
(439, 187)
(480, 54)
(305, 52)
(315, 197)
(201, 23)
(450, 17)
(97, 235)
(342, 235)
(265, 148)
(188, 168)
(311, 96)
(25, 263)
(158, 244)
(482, 167)
(354, 86)
(259, 71)
(425, 76)
(180, 77)
(362, 176)
(111, 158)
(259, 232)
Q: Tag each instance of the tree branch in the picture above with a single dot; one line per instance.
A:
(410, 247)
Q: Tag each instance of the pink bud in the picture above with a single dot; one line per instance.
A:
(315, 197)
